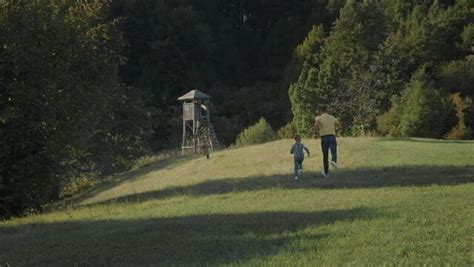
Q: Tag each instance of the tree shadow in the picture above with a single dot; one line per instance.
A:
(357, 178)
(116, 180)
(190, 240)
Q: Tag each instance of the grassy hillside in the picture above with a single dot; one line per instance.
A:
(394, 201)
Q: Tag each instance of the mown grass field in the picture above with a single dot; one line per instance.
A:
(401, 202)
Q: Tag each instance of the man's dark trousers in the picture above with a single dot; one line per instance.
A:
(328, 142)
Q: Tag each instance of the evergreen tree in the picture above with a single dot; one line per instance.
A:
(330, 75)
(304, 93)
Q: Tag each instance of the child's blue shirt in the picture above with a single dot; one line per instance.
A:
(297, 150)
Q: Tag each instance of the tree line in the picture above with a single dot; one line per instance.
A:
(87, 87)
(399, 68)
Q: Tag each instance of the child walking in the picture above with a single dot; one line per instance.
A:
(298, 155)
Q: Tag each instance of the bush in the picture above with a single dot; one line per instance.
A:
(387, 123)
(287, 131)
(420, 111)
(424, 109)
(459, 131)
(79, 184)
(258, 133)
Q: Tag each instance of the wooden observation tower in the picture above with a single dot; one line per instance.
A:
(198, 134)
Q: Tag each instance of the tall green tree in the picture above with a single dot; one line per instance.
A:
(59, 93)
(304, 93)
(344, 56)
(349, 51)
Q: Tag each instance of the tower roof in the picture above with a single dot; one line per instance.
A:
(194, 94)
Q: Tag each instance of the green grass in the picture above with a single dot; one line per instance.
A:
(403, 202)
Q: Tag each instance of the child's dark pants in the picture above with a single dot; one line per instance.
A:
(298, 165)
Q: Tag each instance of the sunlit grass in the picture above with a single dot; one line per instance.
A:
(405, 202)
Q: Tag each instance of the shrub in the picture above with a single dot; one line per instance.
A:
(79, 184)
(459, 131)
(420, 111)
(388, 123)
(260, 132)
(287, 131)
(424, 109)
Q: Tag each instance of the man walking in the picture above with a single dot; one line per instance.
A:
(327, 125)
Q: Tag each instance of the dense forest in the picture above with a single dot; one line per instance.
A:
(87, 87)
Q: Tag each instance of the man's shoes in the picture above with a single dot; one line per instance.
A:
(324, 174)
(296, 177)
(334, 164)
(300, 171)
